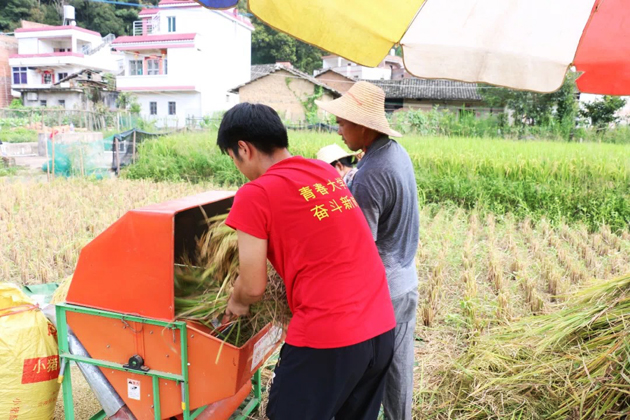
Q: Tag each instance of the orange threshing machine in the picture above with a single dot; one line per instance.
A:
(120, 306)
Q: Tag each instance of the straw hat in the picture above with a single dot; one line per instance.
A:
(363, 104)
(332, 153)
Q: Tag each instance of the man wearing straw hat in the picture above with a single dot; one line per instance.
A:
(385, 188)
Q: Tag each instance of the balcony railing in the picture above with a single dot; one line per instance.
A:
(147, 26)
(89, 50)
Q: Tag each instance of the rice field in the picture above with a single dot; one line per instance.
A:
(43, 226)
(559, 181)
(478, 273)
(477, 270)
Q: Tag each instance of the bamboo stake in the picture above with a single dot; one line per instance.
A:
(134, 147)
(52, 139)
(47, 158)
(81, 157)
(117, 157)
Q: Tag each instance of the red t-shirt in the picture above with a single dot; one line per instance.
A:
(320, 244)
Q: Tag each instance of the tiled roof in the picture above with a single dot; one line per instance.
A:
(56, 28)
(261, 70)
(428, 89)
(324, 71)
(146, 12)
(153, 38)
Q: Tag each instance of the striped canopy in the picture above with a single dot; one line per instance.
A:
(520, 44)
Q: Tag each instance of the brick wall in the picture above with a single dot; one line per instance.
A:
(336, 81)
(280, 90)
(8, 46)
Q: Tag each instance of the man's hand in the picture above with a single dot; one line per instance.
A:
(250, 285)
(234, 309)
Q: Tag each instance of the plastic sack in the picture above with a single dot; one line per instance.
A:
(29, 358)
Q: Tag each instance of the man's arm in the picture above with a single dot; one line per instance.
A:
(250, 285)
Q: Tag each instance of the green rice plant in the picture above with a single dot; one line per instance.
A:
(561, 182)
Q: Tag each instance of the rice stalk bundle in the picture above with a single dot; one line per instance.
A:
(495, 272)
(573, 363)
(599, 245)
(611, 239)
(202, 290)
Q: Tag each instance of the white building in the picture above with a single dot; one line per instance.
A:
(182, 60)
(48, 54)
(390, 68)
(623, 114)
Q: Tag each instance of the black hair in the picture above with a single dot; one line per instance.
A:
(257, 124)
(347, 161)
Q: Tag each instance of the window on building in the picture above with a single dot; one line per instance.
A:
(62, 103)
(19, 75)
(153, 108)
(165, 61)
(153, 67)
(171, 108)
(62, 75)
(42, 103)
(171, 24)
(135, 67)
(47, 78)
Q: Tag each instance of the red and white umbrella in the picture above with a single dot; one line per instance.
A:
(520, 44)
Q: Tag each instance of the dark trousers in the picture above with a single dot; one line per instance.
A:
(346, 383)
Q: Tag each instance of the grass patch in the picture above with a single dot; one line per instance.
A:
(7, 171)
(17, 135)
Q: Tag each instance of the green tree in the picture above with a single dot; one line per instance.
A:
(53, 13)
(536, 109)
(269, 46)
(99, 17)
(602, 112)
(127, 16)
(12, 11)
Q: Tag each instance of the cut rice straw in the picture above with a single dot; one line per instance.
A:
(202, 290)
(574, 363)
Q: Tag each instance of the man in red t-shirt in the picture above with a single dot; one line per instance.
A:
(299, 214)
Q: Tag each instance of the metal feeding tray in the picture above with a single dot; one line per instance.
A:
(120, 306)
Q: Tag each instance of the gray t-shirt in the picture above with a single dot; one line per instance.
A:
(385, 188)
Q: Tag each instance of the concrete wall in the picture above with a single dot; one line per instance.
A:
(74, 100)
(281, 90)
(18, 149)
(480, 108)
(8, 46)
(186, 104)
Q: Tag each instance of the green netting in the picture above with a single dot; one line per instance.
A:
(89, 158)
(77, 158)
